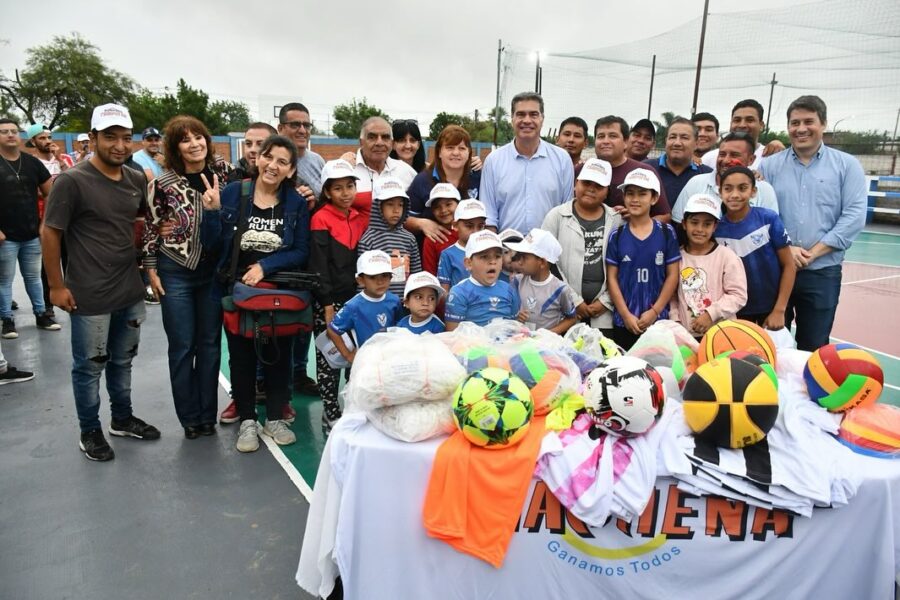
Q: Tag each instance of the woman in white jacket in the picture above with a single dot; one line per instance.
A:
(582, 227)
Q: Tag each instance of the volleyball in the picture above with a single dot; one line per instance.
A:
(624, 395)
(873, 430)
(842, 376)
(493, 408)
(736, 335)
(730, 402)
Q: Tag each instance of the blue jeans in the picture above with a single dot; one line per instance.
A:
(28, 254)
(193, 324)
(813, 304)
(104, 343)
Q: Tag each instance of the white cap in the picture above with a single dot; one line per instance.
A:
(644, 178)
(337, 169)
(420, 280)
(83, 137)
(389, 187)
(510, 235)
(110, 115)
(704, 203)
(540, 243)
(469, 209)
(597, 170)
(373, 262)
(481, 241)
(443, 190)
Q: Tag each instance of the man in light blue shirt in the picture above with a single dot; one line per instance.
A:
(822, 199)
(522, 181)
(150, 157)
(736, 149)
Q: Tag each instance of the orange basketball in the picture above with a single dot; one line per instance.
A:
(726, 336)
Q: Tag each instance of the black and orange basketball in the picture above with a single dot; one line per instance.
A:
(730, 402)
(738, 334)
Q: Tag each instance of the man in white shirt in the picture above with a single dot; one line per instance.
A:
(373, 162)
(747, 117)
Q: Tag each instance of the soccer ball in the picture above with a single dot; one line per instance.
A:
(493, 408)
(624, 395)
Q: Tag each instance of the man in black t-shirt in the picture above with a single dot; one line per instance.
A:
(21, 177)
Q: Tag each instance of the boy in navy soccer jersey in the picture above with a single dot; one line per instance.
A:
(372, 310)
(420, 297)
(641, 261)
(468, 218)
(482, 297)
(758, 237)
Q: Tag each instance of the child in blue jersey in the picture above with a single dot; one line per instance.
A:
(642, 258)
(547, 302)
(420, 297)
(469, 217)
(758, 237)
(372, 310)
(482, 297)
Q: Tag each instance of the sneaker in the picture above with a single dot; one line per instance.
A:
(288, 414)
(95, 446)
(14, 305)
(260, 391)
(13, 375)
(149, 298)
(248, 436)
(279, 431)
(46, 322)
(133, 427)
(230, 414)
(305, 385)
(9, 329)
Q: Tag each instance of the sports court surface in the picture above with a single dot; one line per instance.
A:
(182, 518)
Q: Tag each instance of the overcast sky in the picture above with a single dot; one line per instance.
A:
(412, 59)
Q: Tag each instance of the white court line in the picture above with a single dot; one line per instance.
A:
(288, 467)
(870, 279)
(876, 243)
(866, 348)
(869, 264)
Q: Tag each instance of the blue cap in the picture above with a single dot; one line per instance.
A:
(35, 129)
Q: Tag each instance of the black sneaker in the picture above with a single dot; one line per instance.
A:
(46, 322)
(304, 384)
(149, 298)
(13, 375)
(9, 330)
(14, 305)
(95, 446)
(133, 427)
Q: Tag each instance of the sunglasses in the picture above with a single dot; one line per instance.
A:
(405, 122)
(736, 135)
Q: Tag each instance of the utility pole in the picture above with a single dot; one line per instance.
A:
(771, 93)
(537, 74)
(894, 144)
(497, 101)
(652, 77)
(700, 58)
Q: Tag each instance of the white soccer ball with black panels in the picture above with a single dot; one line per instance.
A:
(624, 395)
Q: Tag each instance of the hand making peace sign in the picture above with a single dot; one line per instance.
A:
(211, 195)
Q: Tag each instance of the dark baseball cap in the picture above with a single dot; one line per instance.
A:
(645, 124)
(150, 132)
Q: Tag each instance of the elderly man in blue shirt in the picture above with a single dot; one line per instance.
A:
(822, 200)
(527, 177)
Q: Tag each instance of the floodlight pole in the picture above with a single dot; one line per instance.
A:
(700, 58)
(497, 101)
(771, 93)
(652, 77)
(537, 74)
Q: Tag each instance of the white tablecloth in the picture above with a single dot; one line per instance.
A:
(365, 523)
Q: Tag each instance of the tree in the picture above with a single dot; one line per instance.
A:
(62, 82)
(441, 120)
(220, 117)
(662, 129)
(505, 131)
(348, 118)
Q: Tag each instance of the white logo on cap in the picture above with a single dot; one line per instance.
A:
(597, 167)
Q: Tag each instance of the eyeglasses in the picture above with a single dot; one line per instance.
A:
(736, 135)
(307, 125)
(9, 132)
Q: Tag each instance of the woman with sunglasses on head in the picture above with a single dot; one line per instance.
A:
(182, 265)
(408, 145)
(274, 223)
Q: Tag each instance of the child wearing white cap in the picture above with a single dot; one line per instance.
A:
(372, 310)
(642, 259)
(546, 301)
(712, 283)
(420, 297)
(582, 227)
(482, 297)
(469, 217)
(442, 200)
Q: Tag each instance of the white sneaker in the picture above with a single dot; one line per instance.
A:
(248, 437)
(279, 431)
